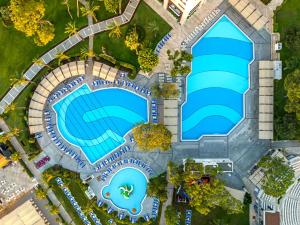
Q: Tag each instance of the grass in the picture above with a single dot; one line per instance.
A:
(216, 214)
(17, 51)
(116, 47)
(286, 17)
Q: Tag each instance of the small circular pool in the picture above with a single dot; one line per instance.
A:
(127, 190)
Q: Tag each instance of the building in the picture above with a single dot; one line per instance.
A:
(25, 214)
(183, 8)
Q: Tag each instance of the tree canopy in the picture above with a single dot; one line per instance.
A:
(204, 196)
(152, 136)
(111, 5)
(147, 59)
(157, 187)
(27, 17)
(171, 216)
(132, 40)
(278, 176)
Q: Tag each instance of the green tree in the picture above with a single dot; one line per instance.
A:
(157, 187)
(147, 59)
(152, 27)
(132, 40)
(15, 156)
(5, 16)
(54, 210)
(287, 127)
(156, 90)
(71, 29)
(8, 135)
(27, 17)
(115, 30)
(111, 5)
(40, 193)
(152, 136)
(292, 86)
(66, 3)
(90, 11)
(61, 57)
(175, 174)
(185, 70)
(171, 216)
(278, 176)
(44, 34)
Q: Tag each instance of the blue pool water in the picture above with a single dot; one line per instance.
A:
(218, 81)
(131, 177)
(96, 121)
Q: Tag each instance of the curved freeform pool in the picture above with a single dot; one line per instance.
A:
(218, 81)
(97, 121)
(136, 182)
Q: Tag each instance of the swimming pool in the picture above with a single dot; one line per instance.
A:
(97, 121)
(136, 183)
(218, 81)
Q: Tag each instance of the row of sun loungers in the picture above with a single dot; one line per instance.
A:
(154, 111)
(95, 218)
(62, 91)
(104, 71)
(61, 145)
(199, 28)
(188, 217)
(161, 44)
(155, 207)
(136, 162)
(73, 202)
(250, 13)
(123, 83)
(113, 157)
(46, 86)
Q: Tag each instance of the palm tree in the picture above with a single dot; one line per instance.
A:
(40, 62)
(86, 53)
(120, 6)
(20, 81)
(47, 176)
(152, 27)
(115, 30)
(7, 136)
(61, 57)
(90, 11)
(54, 210)
(10, 108)
(71, 29)
(87, 209)
(15, 156)
(40, 193)
(66, 3)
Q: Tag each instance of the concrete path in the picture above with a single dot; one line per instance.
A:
(38, 176)
(170, 191)
(274, 4)
(67, 44)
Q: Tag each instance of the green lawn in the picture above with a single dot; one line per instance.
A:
(23, 48)
(286, 18)
(116, 47)
(17, 51)
(216, 214)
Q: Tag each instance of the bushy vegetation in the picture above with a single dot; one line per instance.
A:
(157, 187)
(278, 176)
(152, 137)
(168, 90)
(205, 196)
(286, 19)
(180, 60)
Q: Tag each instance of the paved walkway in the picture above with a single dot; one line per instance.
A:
(18, 147)
(274, 4)
(70, 42)
(179, 33)
(170, 189)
